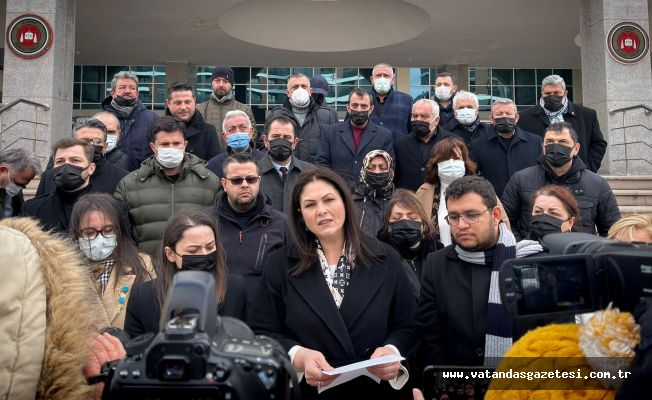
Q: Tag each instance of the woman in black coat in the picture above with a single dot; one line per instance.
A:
(335, 296)
(190, 242)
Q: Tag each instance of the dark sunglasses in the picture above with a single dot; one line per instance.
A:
(239, 179)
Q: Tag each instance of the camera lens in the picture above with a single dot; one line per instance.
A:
(173, 369)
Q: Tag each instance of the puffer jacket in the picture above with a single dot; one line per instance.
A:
(213, 113)
(134, 140)
(310, 132)
(152, 198)
(48, 313)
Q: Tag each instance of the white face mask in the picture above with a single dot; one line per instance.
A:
(98, 249)
(450, 170)
(300, 97)
(382, 85)
(443, 93)
(111, 142)
(12, 189)
(169, 157)
(466, 116)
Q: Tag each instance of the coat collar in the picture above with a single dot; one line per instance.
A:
(492, 134)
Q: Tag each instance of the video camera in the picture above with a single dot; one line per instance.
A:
(583, 273)
(199, 355)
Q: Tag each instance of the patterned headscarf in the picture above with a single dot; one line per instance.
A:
(367, 160)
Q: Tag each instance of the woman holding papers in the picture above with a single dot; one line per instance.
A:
(335, 296)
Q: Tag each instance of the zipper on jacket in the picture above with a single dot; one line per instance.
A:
(172, 202)
(262, 246)
(241, 237)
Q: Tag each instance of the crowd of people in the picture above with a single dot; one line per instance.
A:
(380, 234)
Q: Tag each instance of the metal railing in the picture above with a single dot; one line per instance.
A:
(647, 111)
(35, 122)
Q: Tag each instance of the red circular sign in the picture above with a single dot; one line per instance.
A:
(29, 36)
(628, 43)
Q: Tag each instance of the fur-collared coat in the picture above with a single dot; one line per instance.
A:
(47, 314)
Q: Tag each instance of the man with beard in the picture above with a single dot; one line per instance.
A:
(461, 319)
(554, 107)
(560, 165)
(344, 145)
(135, 120)
(413, 150)
(249, 227)
(279, 169)
(221, 102)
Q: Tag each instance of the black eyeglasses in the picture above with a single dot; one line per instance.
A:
(239, 179)
(471, 217)
(91, 233)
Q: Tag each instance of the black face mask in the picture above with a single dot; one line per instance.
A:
(124, 102)
(318, 97)
(505, 124)
(359, 118)
(280, 149)
(377, 180)
(421, 128)
(68, 177)
(544, 224)
(558, 154)
(98, 155)
(405, 233)
(200, 262)
(553, 102)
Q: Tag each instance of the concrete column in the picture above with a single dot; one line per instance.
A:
(608, 85)
(461, 74)
(47, 80)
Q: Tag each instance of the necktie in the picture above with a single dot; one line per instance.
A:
(284, 173)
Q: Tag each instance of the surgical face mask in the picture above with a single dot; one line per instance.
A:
(466, 116)
(12, 189)
(199, 262)
(111, 142)
(99, 248)
(443, 93)
(553, 102)
(405, 233)
(68, 177)
(169, 157)
(238, 141)
(450, 170)
(300, 97)
(382, 85)
(544, 224)
(558, 154)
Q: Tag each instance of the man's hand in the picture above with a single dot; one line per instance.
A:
(104, 348)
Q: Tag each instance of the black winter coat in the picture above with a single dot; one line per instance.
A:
(377, 309)
(247, 247)
(598, 207)
(105, 179)
(118, 158)
(410, 161)
(584, 121)
(317, 118)
(53, 209)
(143, 314)
(134, 139)
(497, 162)
(459, 130)
(202, 137)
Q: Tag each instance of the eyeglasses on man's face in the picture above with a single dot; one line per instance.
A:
(239, 179)
(471, 217)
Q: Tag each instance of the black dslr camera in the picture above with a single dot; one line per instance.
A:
(198, 355)
(583, 273)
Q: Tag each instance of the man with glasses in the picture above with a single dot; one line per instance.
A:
(460, 318)
(106, 176)
(166, 182)
(17, 169)
(113, 154)
(249, 227)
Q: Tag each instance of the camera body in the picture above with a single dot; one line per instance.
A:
(194, 356)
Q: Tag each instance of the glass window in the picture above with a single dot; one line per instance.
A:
(303, 70)
(525, 77)
(76, 92)
(111, 70)
(419, 92)
(542, 73)
(258, 76)
(502, 91)
(567, 74)
(502, 76)
(93, 73)
(159, 74)
(77, 73)
(92, 93)
(419, 77)
(145, 74)
(240, 93)
(241, 76)
(276, 95)
(161, 94)
(257, 94)
(278, 75)
(526, 95)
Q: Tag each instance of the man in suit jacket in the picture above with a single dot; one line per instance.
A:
(344, 145)
(391, 108)
(553, 107)
(413, 150)
(506, 149)
(279, 169)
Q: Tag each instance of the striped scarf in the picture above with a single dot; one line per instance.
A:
(555, 116)
(498, 336)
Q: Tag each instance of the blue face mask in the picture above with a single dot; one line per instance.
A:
(238, 141)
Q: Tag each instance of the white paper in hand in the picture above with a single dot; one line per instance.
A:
(352, 371)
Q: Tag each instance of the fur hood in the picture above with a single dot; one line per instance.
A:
(70, 320)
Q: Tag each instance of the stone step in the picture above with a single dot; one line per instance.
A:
(627, 210)
(636, 182)
(631, 197)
